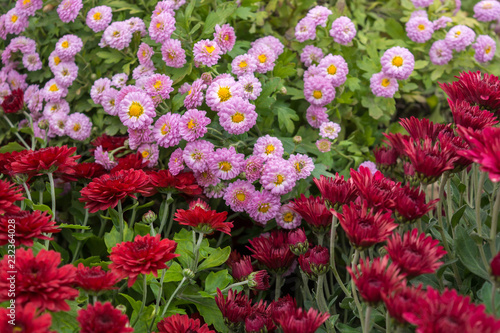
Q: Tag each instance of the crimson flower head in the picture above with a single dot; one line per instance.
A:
(131, 161)
(470, 116)
(28, 225)
(336, 191)
(314, 211)
(374, 278)
(108, 142)
(305, 265)
(13, 102)
(376, 189)
(86, 170)
(255, 323)
(165, 182)
(273, 251)
(285, 304)
(402, 299)
(105, 192)
(411, 205)
(415, 254)
(241, 266)
(261, 311)
(235, 308)
(199, 203)
(258, 280)
(385, 158)
(146, 254)
(397, 141)
(95, 279)
(204, 221)
(455, 144)
(182, 324)
(39, 281)
(495, 267)
(300, 321)
(298, 241)
(45, 160)
(420, 129)
(364, 227)
(9, 193)
(6, 160)
(28, 320)
(103, 318)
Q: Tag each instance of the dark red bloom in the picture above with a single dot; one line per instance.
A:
(397, 141)
(285, 304)
(45, 160)
(235, 308)
(258, 280)
(420, 129)
(495, 267)
(314, 211)
(108, 142)
(298, 241)
(319, 259)
(470, 116)
(336, 191)
(28, 225)
(376, 189)
(455, 144)
(385, 158)
(144, 255)
(165, 182)
(204, 221)
(415, 254)
(305, 265)
(27, 320)
(410, 204)
(182, 324)
(95, 279)
(374, 278)
(87, 170)
(363, 227)
(273, 251)
(241, 266)
(103, 318)
(9, 193)
(13, 102)
(199, 203)
(255, 323)
(105, 192)
(300, 321)
(131, 161)
(39, 281)
(450, 312)
(261, 312)
(6, 160)
(401, 300)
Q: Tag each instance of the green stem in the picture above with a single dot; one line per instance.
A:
(354, 293)
(320, 295)
(367, 319)
(94, 299)
(79, 244)
(494, 225)
(16, 133)
(144, 297)
(320, 236)
(158, 299)
(387, 322)
(132, 218)
(231, 286)
(165, 214)
(40, 197)
(120, 216)
(52, 194)
(28, 193)
(196, 251)
(306, 287)
(171, 220)
(493, 293)
(172, 297)
(479, 192)
(277, 287)
(33, 141)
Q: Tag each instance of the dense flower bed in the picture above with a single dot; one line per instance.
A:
(245, 166)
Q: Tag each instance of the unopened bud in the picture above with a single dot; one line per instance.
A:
(149, 217)
(122, 308)
(297, 139)
(93, 76)
(207, 78)
(187, 273)
(43, 124)
(48, 8)
(283, 90)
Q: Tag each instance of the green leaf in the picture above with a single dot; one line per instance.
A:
(353, 83)
(40, 207)
(110, 58)
(73, 226)
(174, 273)
(141, 229)
(419, 64)
(458, 215)
(217, 280)
(218, 257)
(217, 17)
(113, 237)
(468, 253)
(65, 321)
(484, 295)
(394, 29)
(286, 116)
(210, 312)
(82, 235)
(10, 147)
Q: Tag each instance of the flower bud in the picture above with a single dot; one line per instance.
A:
(495, 267)
(297, 241)
(187, 273)
(93, 76)
(43, 124)
(258, 280)
(283, 90)
(207, 78)
(48, 8)
(149, 217)
(319, 260)
(122, 308)
(20, 178)
(297, 139)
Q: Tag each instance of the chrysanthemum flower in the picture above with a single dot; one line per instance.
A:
(268, 147)
(141, 72)
(221, 91)
(235, 308)
(314, 211)
(119, 80)
(117, 36)
(336, 191)
(335, 69)
(136, 24)
(176, 162)
(422, 3)
(196, 154)
(78, 126)
(263, 206)
(238, 116)
(136, 110)
(13, 102)
(379, 191)
(302, 164)
(193, 124)
(251, 86)
(370, 166)
(204, 221)
(108, 101)
(272, 251)
(226, 164)
(164, 6)
(161, 27)
(485, 47)
(319, 15)
(298, 320)
(28, 319)
(39, 281)
(385, 158)
(264, 57)
(9, 193)
(272, 42)
(54, 60)
(239, 194)
(324, 145)
(318, 90)
(225, 37)
(32, 61)
(459, 37)
(28, 225)
(173, 54)
(165, 182)
(401, 300)
(310, 54)
(95, 279)
(68, 10)
(66, 73)
(487, 10)
(441, 22)
(278, 176)
(144, 255)
(98, 18)
(45, 160)
(419, 29)
(136, 137)
(130, 161)
(343, 30)
(398, 63)
(424, 128)
(240, 266)
(383, 85)
(471, 116)
(243, 64)
(253, 167)
(15, 21)
(207, 52)
(287, 218)
(29, 7)
(440, 53)
(98, 89)
(159, 85)
(329, 130)
(305, 30)
(53, 91)
(316, 115)
(181, 323)
(68, 46)
(411, 205)
(166, 130)
(100, 318)
(150, 153)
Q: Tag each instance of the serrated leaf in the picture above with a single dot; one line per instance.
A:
(286, 116)
(217, 280)
(217, 17)
(10, 147)
(218, 257)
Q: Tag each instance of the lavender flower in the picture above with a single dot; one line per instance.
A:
(419, 29)
(173, 54)
(343, 30)
(459, 37)
(316, 115)
(485, 48)
(251, 86)
(324, 145)
(311, 54)
(226, 164)
(150, 153)
(136, 110)
(104, 158)
(243, 64)
(335, 69)
(78, 126)
(193, 124)
(238, 195)
(487, 10)
(440, 53)
(268, 147)
(225, 37)
(305, 30)
(253, 167)
(161, 27)
(329, 130)
(287, 218)
(398, 63)
(264, 57)
(382, 85)
(319, 15)
(176, 162)
(318, 90)
(197, 153)
(263, 207)
(166, 130)
(238, 116)
(278, 176)
(221, 91)
(99, 18)
(302, 164)
(68, 10)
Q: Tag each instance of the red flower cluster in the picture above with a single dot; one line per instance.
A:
(28, 225)
(9, 193)
(273, 251)
(298, 242)
(14, 102)
(50, 159)
(108, 142)
(130, 161)
(95, 279)
(314, 211)
(336, 191)
(182, 324)
(235, 308)
(103, 318)
(204, 221)
(401, 300)
(301, 321)
(315, 261)
(242, 269)
(410, 204)
(377, 190)
(87, 170)
(386, 158)
(28, 320)
(165, 182)
(472, 117)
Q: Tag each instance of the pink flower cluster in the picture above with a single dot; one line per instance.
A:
(306, 28)
(397, 64)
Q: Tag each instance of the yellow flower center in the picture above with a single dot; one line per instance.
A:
(158, 25)
(135, 110)
(299, 166)
(332, 70)
(65, 44)
(225, 166)
(263, 208)
(13, 18)
(487, 5)
(457, 33)
(97, 16)
(77, 127)
(25, 2)
(279, 179)
(191, 124)
(116, 33)
(241, 196)
(53, 108)
(487, 50)
(269, 149)
(164, 130)
(224, 94)
(317, 94)
(226, 37)
(421, 27)
(210, 48)
(262, 58)
(157, 84)
(53, 87)
(288, 217)
(385, 82)
(243, 64)
(397, 61)
(57, 60)
(60, 124)
(145, 154)
(237, 117)
(171, 56)
(112, 102)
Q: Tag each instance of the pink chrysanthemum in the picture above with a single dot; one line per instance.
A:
(305, 30)
(144, 54)
(302, 164)
(319, 91)
(164, 6)
(264, 57)
(221, 91)
(32, 61)
(487, 10)
(485, 48)
(239, 194)
(68, 10)
(137, 110)
(343, 30)
(316, 115)
(243, 64)
(136, 137)
(383, 85)
(159, 85)
(268, 147)
(99, 18)
(166, 130)
(29, 7)
(335, 69)
(225, 37)
(278, 176)
(53, 91)
(136, 24)
(398, 63)
(108, 101)
(287, 218)
(193, 124)
(57, 124)
(103, 158)
(459, 37)
(324, 145)
(161, 27)
(150, 153)
(272, 42)
(441, 22)
(206, 178)
(440, 53)
(251, 86)
(54, 60)
(15, 21)
(117, 36)
(60, 106)
(226, 164)
(197, 153)
(319, 15)
(253, 167)
(419, 29)
(263, 207)
(173, 54)
(141, 72)
(311, 54)
(238, 116)
(119, 80)
(422, 3)
(194, 97)
(207, 52)
(66, 73)
(329, 130)
(370, 166)
(176, 162)
(78, 126)
(98, 88)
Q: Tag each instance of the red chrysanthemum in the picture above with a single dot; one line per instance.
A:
(87, 170)
(410, 204)
(300, 321)
(258, 280)
(45, 160)
(235, 308)
(27, 320)
(415, 254)
(314, 211)
(131, 161)
(315, 261)
(377, 190)
(305, 265)
(95, 279)
(27, 226)
(484, 149)
(165, 182)
(397, 141)
(9, 193)
(13, 102)
(241, 266)
(144, 255)
(204, 221)
(450, 312)
(182, 324)
(364, 227)
(6, 160)
(471, 116)
(420, 129)
(39, 281)
(455, 145)
(108, 142)
(105, 192)
(273, 251)
(385, 158)
(336, 191)
(261, 311)
(285, 304)
(401, 300)
(374, 278)
(103, 318)
(255, 323)
(495, 267)
(298, 242)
